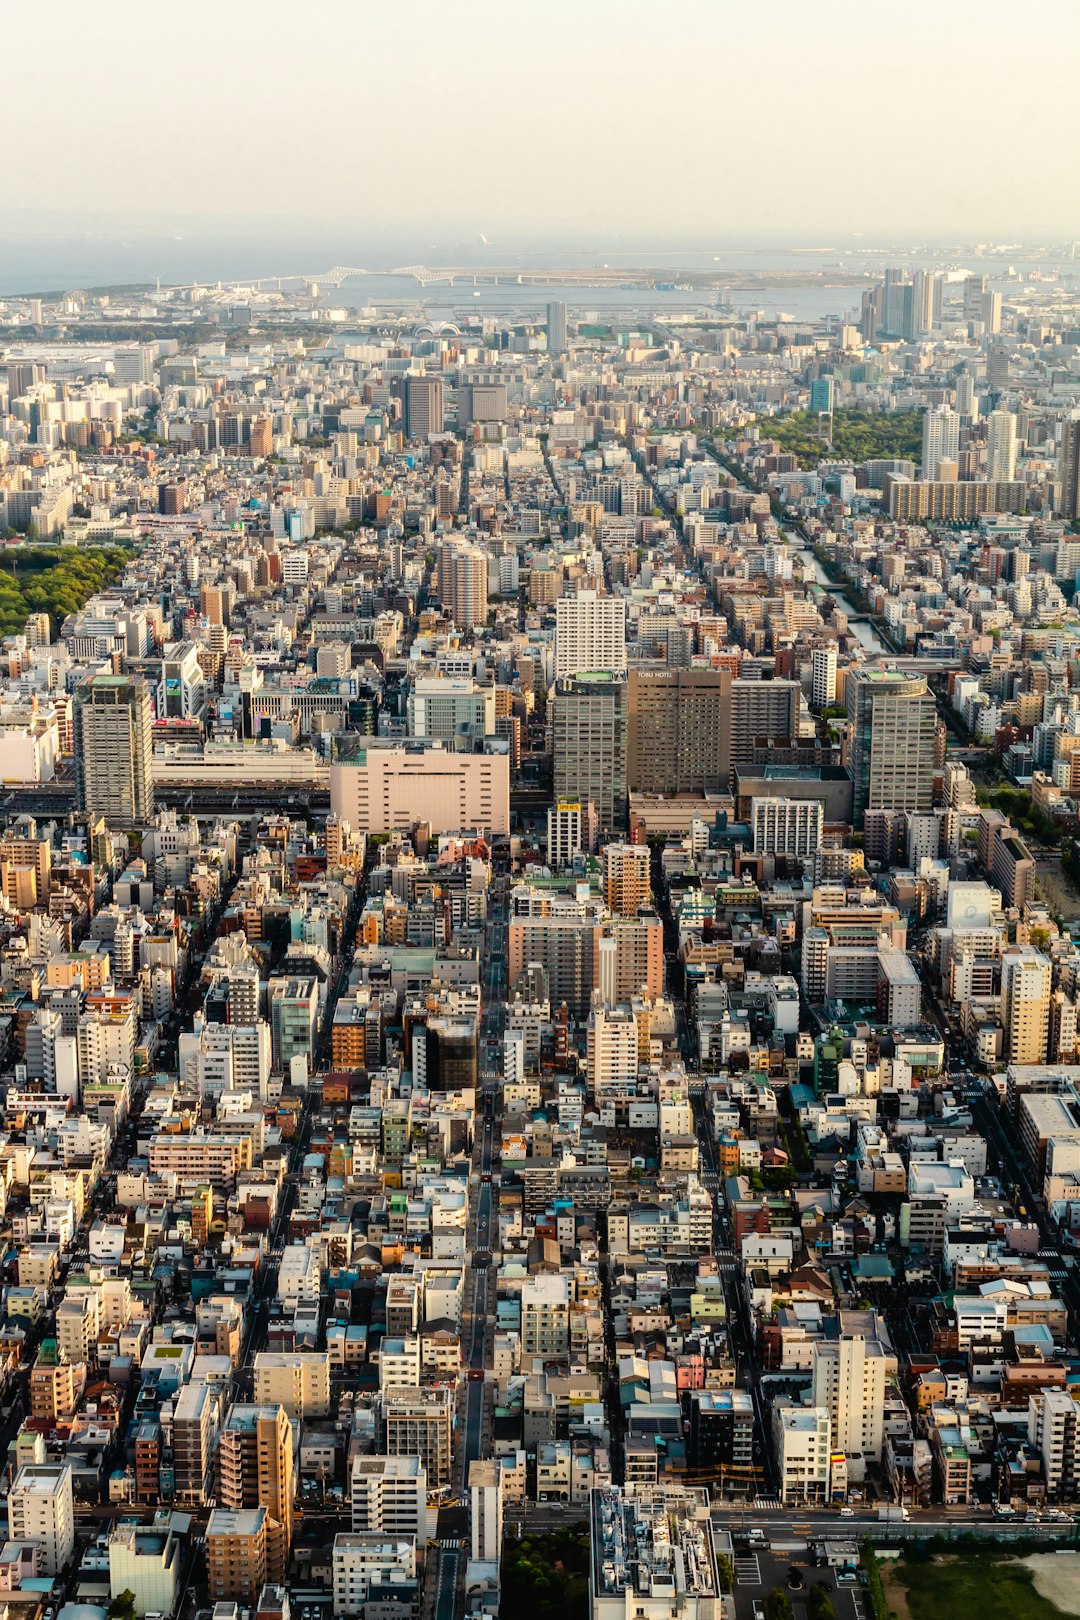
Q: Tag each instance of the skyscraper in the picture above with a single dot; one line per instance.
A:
(111, 721)
(590, 634)
(556, 328)
(892, 742)
(463, 583)
(1001, 447)
(589, 743)
(940, 439)
(1069, 466)
(424, 409)
(679, 730)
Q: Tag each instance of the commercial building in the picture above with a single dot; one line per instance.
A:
(764, 714)
(112, 717)
(678, 730)
(392, 788)
(651, 1554)
(892, 719)
(801, 1444)
(424, 407)
(556, 328)
(589, 745)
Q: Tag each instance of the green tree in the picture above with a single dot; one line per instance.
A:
(819, 1604)
(778, 1605)
(725, 1572)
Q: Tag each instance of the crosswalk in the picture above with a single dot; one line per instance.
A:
(767, 1502)
(450, 1543)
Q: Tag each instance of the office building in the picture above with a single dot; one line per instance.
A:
(678, 730)
(849, 1375)
(788, 827)
(590, 634)
(940, 439)
(823, 676)
(392, 786)
(424, 407)
(571, 831)
(463, 583)
(1025, 1004)
(389, 1497)
(892, 719)
(722, 1438)
(589, 746)
(255, 1469)
(556, 328)
(451, 710)
(294, 1018)
(651, 1553)
(112, 717)
(1069, 466)
(1001, 447)
(41, 1510)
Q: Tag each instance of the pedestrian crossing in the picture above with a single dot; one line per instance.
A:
(767, 1502)
(451, 1543)
(747, 1569)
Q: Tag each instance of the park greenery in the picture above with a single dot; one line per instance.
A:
(953, 1587)
(56, 580)
(856, 436)
(547, 1576)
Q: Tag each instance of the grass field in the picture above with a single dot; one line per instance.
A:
(964, 1586)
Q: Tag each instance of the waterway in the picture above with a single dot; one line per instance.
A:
(863, 630)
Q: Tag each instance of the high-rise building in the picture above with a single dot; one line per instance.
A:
(678, 730)
(1025, 1004)
(849, 1374)
(41, 1510)
(790, 827)
(803, 1452)
(590, 634)
(389, 1497)
(112, 717)
(763, 713)
(556, 328)
(418, 1423)
(891, 756)
(967, 405)
(424, 407)
(255, 1469)
(569, 832)
(463, 583)
(823, 677)
(589, 745)
(193, 1432)
(627, 878)
(1054, 1431)
(1001, 447)
(1069, 466)
(940, 439)
(236, 1554)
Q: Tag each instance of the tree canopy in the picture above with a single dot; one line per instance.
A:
(54, 580)
(856, 436)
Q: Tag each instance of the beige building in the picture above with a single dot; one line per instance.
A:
(298, 1380)
(384, 789)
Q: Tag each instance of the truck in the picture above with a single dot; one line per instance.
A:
(893, 1515)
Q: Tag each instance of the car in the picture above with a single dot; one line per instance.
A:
(847, 1513)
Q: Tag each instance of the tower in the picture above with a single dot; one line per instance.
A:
(111, 721)
(1001, 447)
(940, 440)
(424, 406)
(556, 328)
(255, 1469)
(892, 742)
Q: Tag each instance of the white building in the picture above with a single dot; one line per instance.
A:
(146, 1563)
(1054, 1429)
(389, 1497)
(590, 634)
(41, 1509)
(802, 1443)
(823, 676)
(786, 826)
(360, 1562)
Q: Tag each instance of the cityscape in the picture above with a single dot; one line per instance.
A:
(539, 886)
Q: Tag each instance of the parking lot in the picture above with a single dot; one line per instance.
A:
(760, 1567)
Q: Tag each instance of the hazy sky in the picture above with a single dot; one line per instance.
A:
(568, 118)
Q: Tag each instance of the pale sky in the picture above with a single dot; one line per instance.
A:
(802, 119)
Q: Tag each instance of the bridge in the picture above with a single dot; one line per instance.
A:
(419, 272)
